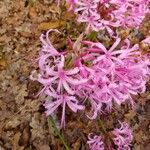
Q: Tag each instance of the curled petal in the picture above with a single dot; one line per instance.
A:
(72, 71)
(47, 81)
(115, 44)
(75, 81)
(51, 107)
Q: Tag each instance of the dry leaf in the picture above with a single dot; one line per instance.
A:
(69, 16)
(22, 92)
(16, 142)
(54, 9)
(1, 148)
(140, 137)
(44, 147)
(50, 25)
(76, 145)
(13, 123)
(25, 136)
(3, 38)
(32, 12)
(3, 63)
(37, 129)
(130, 115)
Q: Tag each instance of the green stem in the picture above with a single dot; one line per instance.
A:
(51, 121)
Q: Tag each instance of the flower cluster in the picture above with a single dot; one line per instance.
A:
(95, 142)
(114, 74)
(102, 76)
(121, 137)
(88, 74)
(107, 14)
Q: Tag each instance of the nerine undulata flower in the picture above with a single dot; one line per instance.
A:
(58, 82)
(103, 76)
(115, 74)
(130, 13)
(95, 142)
(72, 4)
(122, 137)
(117, 13)
(63, 101)
(60, 78)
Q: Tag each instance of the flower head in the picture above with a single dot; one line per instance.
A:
(61, 100)
(102, 76)
(95, 142)
(72, 4)
(60, 78)
(122, 137)
(120, 13)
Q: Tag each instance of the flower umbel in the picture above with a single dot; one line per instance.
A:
(122, 137)
(95, 142)
(62, 100)
(103, 76)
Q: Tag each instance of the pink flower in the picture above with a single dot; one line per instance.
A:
(121, 13)
(147, 40)
(108, 58)
(118, 92)
(100, 76)
(72, 4)
(105, 59)
(92, 20)
(104, 1)
(60, 78)
(133, 77)
(87, 10)
(108, 54)
(122, 137)
(88, 13)
(86, 6)
(48, 53)
(62, 100)
(95, 142)
(107, 24)
(115, 75)
(47, 46)
(130, 13)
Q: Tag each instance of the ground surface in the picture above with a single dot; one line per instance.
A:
(23, 125)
